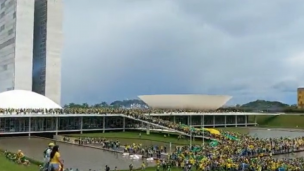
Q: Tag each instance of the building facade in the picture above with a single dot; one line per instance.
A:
(16, 44)
(31, 46)
(301, 98)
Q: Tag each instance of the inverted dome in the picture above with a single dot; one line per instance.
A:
(22, 99)
(199, 102)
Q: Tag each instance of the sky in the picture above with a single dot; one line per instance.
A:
(118, 49)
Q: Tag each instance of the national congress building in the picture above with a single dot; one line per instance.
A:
(31, 46)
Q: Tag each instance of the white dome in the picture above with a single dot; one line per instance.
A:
(22, 99)
(186, 101)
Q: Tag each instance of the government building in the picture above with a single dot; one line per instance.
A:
(31, 46)
(39, 115)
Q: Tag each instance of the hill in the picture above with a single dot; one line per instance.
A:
(265, 105)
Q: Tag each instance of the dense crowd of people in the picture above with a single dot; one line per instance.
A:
(100, 142)
(108, 110)
(242, 153)
(246, 153)
(133, 113)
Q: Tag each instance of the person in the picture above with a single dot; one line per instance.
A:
(21, 158)
(55, 161)
(47, 154)
(107, 168)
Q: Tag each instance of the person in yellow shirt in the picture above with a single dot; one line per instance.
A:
(21, 158)
(55, 161)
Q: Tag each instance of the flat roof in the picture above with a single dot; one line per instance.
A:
(152, 114)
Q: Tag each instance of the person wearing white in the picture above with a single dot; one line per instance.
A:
(47, 155)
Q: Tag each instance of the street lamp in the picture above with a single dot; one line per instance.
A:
(190, 131)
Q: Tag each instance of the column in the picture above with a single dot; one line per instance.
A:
(174, 119)
(236, 124)
(255, 120)
(225, 121)
(148, 129)
(42, 128)
(56, 126)
(246, 120)
(81, 124)
(148, 125)
(30, 125)
(188, 122)
(202, 121)
(20, 125)
(213, 121)
(104, 124)
(123, 124)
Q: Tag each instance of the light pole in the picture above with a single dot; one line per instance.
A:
(190, 123)
(148, 129)
(204, 131)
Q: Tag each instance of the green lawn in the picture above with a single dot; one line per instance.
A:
(6, 165)
(133, 137)
(282, 121)
(241, 130)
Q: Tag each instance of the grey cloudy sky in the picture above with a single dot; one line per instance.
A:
(118, 49)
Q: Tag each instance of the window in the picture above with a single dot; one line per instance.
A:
(2, 27)
(2, 5)
(14, 15)
(4, 67)
(2, 14)
(11, 88)
(11, 31)
(8, 42)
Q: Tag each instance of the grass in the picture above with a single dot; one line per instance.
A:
(152, 139)
(241, 130)
(133, 137)
(6, 165)
(282, 121)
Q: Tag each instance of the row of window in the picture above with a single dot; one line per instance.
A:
(9, 4)
(3, 14)
(7, 43)
(10, 31)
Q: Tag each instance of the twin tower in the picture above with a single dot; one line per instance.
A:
(31, 43)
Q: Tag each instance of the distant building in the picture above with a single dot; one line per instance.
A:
(301, 98)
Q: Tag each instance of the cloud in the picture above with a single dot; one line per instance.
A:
(120, 49)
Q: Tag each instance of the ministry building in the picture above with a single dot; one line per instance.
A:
(31, 46)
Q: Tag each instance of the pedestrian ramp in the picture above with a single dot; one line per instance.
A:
(154, 124)
(164, 127)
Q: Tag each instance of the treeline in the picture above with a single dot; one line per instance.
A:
(115, 104)
(283, 110)
(254, 106)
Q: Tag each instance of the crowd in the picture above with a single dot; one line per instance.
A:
(246, 153)
(100, 142)
(108, 110)
(134, 113)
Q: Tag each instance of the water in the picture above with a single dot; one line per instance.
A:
(74, 156)
(86, 158)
